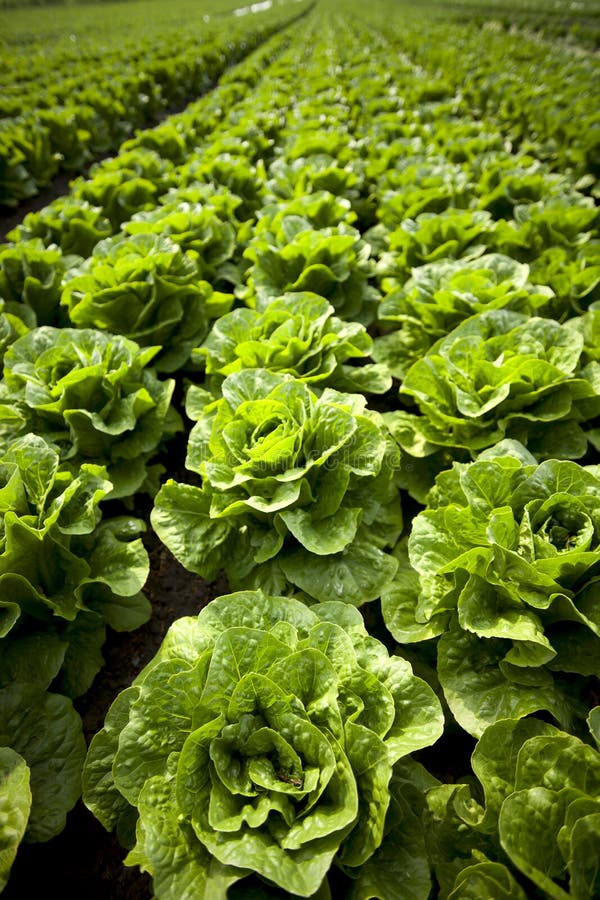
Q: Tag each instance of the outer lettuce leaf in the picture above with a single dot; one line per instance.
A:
(400, 866)
(291, 482)
(15, 804)
(242, 747)
(486, 879)
(46, 731)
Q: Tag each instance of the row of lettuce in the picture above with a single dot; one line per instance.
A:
(316, 231)
(576, 24)
(543, 95)
(53, 118)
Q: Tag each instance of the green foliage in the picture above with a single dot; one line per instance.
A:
(64, 573)
(332, 261)
(441, 295)
(540, 817)
(242, 747)
(500, 374)
(15, 804)
(93, 396)
(502, 565)
(43, 730)
(298, 490)
(73, 225)
(31, 276)
(148, 289)
(296, 334)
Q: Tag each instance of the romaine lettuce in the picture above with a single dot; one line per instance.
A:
(503, 566)
(145, 288)
(296, 490)
(92, 395)
(260, 738)
(296, 334)
(500, 374)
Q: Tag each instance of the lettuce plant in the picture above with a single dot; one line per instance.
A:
(552, 222)
(31, 280)
(296, 334)
(441, 295)
(332, 262)
(125, 184)
(90, 394)
(235, 173)
(574, 277)
(297, 490)
(64, 573)
(503, 566)
(420, 184)
(243, 746)
(194, 227)
(306, 176)
(73, 225)
(12, 327)
(451, 234)
(321, 208)
(499, 374)
(538, 829)
(147, 289)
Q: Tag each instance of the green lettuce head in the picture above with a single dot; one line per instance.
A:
(145, 288)
(297, 490)
(503, 566)
(193, 227)
(534, 829)
(296, 334)
(261, 738)
(73, 225)
(64, 572)
(90, 394)
(432, 236)
(125, 184)
(441, 295)
(31, 278)
(499, 374)
(333, 262)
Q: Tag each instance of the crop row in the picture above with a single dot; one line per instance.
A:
(326, 226)
(577, 24)
(52, 118)
(544, 98)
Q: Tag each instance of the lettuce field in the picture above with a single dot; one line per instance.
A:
(300, 450)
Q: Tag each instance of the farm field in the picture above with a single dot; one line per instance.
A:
(299, 451)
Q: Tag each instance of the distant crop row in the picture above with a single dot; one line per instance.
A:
(384, 319)
(54, 117)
